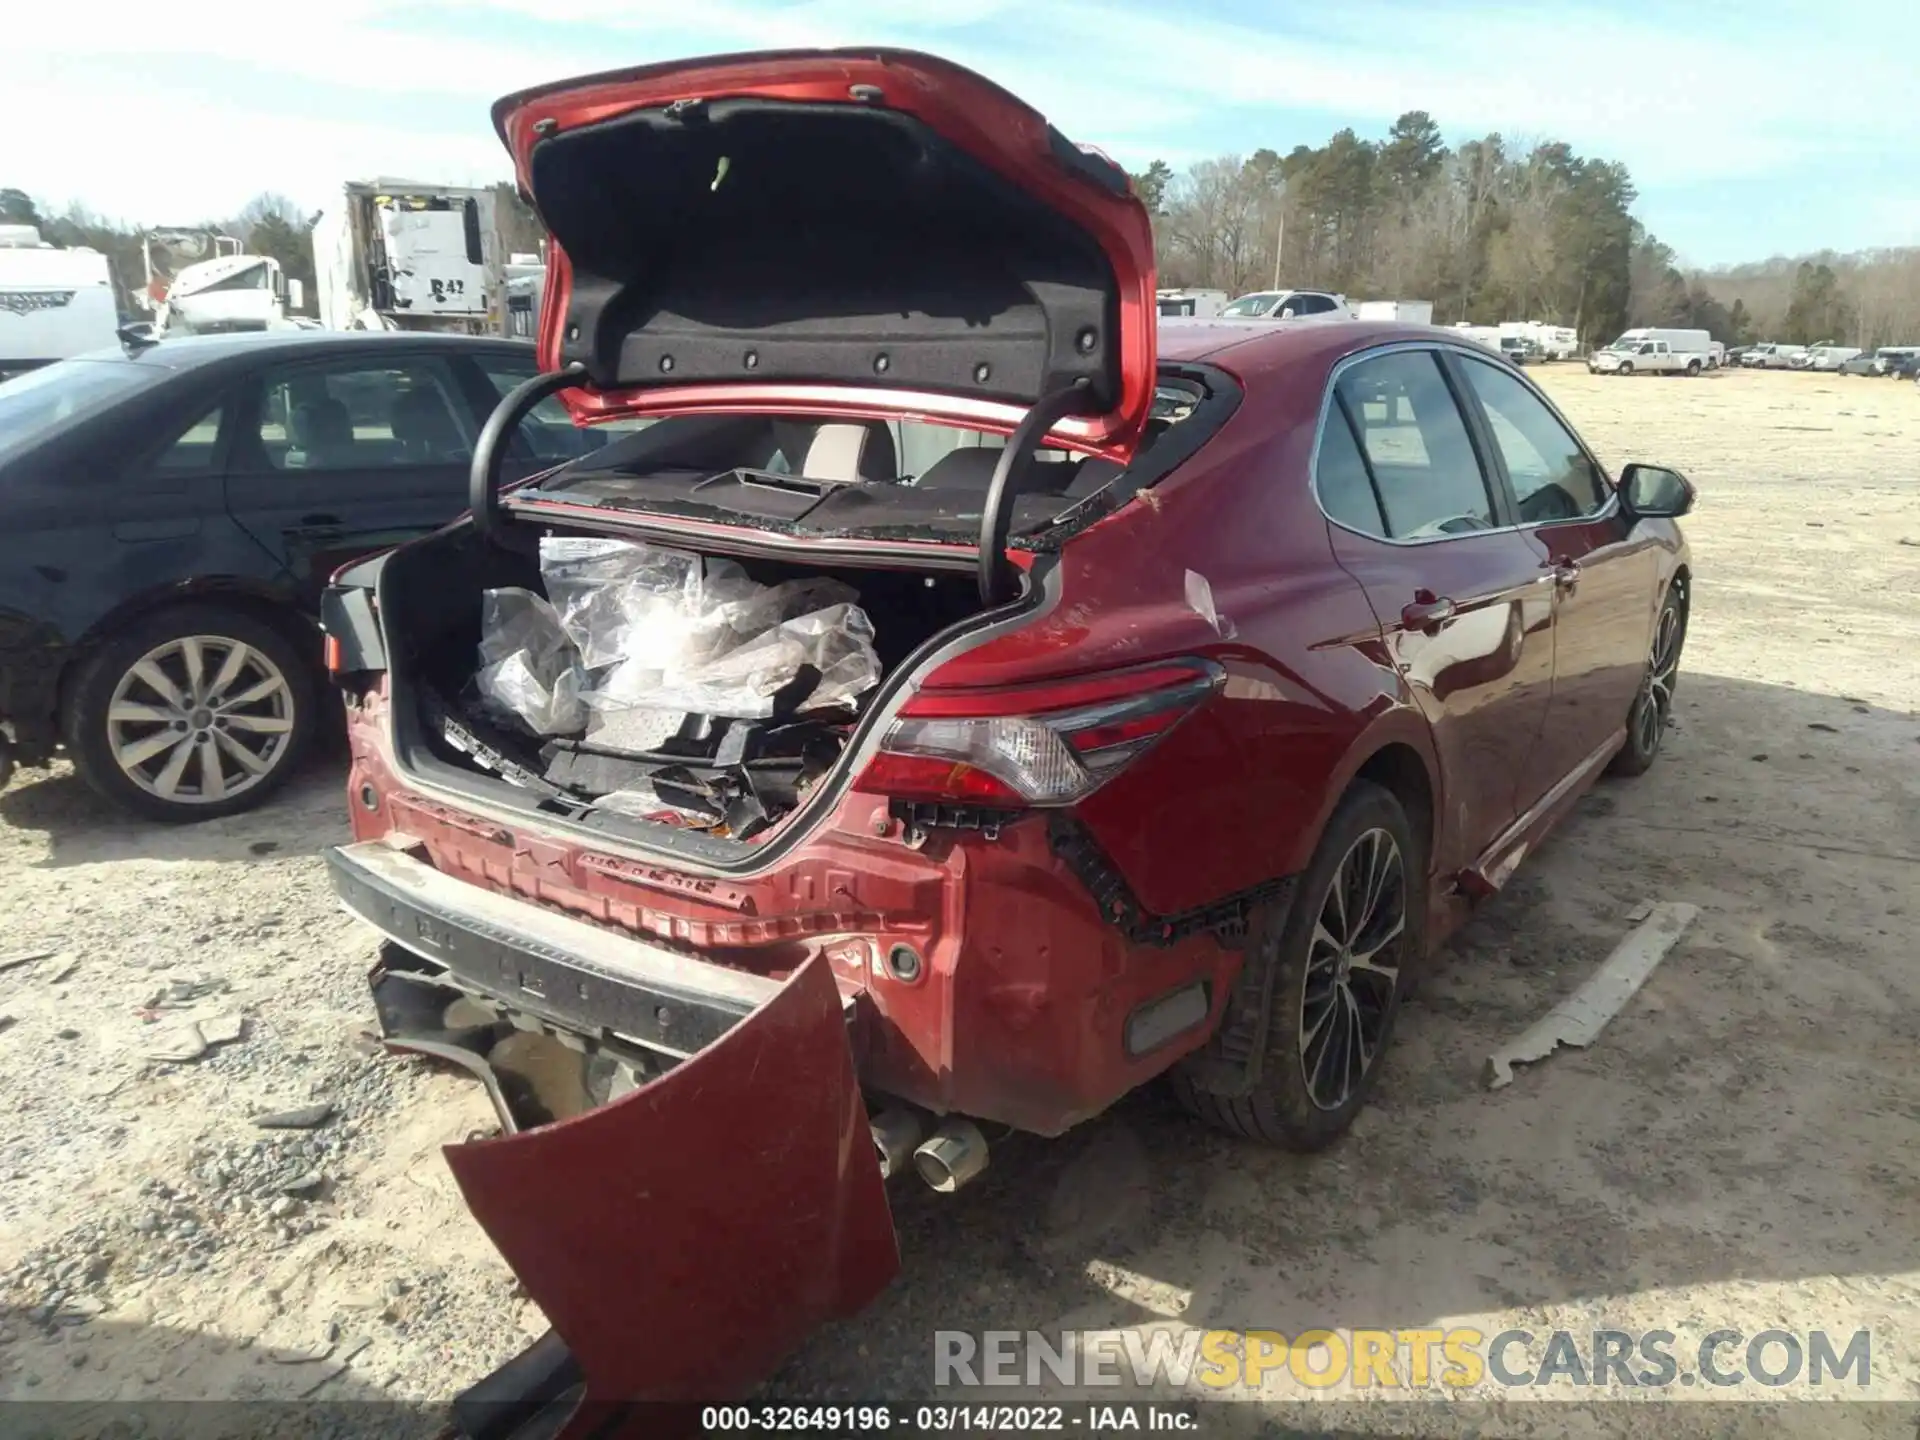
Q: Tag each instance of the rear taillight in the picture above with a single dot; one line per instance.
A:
(1033, 745)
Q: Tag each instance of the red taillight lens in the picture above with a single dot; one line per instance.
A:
(1034, 745)
(335, 656)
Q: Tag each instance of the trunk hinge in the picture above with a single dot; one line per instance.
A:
(1016, 463)
(483, 477)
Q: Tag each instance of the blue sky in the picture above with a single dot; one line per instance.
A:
(1752, 127)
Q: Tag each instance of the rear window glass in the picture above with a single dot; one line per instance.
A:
(35, 403)
(829, 475)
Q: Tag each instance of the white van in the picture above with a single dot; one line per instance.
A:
(1656, 351)
(53, 303)
(1190, 304)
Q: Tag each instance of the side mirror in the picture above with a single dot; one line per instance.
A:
(1649, 492)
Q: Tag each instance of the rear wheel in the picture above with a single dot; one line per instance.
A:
(1693, 367)
(1353, 932)
(1653, 705)
(1626, 367)
(192, 713)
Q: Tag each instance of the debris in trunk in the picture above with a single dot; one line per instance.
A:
(1577, 1020)
(666, 685)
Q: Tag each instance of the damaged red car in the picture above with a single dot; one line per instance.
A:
(956, 701)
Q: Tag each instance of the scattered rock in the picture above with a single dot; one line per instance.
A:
(304, 1118)
(282, 1207)
(1639, 912)
(263, 847)
(1862, 710)
(176, 1044)
(67, 1033)
(223, 1029)
(1823, 726)
(24, 957)
(1761, 756)
(5, 1021)
(63, 972)
(306, 1183)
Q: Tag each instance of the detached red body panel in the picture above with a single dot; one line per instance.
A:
(684, 1238)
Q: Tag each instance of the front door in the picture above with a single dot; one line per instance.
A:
(340, 457)
(1604, 578)
(1463, 601)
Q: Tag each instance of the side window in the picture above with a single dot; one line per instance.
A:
(356, 415)
(1428, 478)
(1317, 305)
(548, 431)
(1551, 475)
(1340, 475)
(194, 451)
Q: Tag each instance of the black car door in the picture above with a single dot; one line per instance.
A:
(337, 457)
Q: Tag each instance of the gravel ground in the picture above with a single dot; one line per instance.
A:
(1741, 1148)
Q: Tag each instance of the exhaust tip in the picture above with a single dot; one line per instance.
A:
(953, 1155)
(896, 1133)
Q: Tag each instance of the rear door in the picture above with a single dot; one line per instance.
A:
(1463, 599)
(1603, 578)
(338, 457)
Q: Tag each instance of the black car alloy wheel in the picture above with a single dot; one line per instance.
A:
(1353, 969)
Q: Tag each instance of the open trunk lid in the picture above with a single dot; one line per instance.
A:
(875, 229)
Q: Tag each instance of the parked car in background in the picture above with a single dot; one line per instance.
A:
(1771, 356)
(170, 513)
(1195, 786)
(1190, 304)
(1287, 305)
(1521, 349)
(1653, 351)
(1830, 357)
(1736, 355)
(1863, 363)
(1899, 361)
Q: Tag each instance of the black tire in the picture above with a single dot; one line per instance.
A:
(1693, 367)
(1283, 1108)
(1657, 688)
(1626, 367)
(275, 730)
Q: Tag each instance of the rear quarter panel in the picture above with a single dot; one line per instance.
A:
(1238, 793)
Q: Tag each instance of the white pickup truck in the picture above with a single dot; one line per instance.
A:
(1655, 351)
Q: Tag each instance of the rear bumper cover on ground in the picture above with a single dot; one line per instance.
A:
(685, 1237)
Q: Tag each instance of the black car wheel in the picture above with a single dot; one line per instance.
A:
(190, 714)
(1626, 367)
(1653, 705)
(1339, 959)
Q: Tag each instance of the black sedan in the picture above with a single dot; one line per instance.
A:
(169, 514)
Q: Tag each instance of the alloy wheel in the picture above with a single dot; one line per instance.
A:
(200, 719)
(1656, 697)
(1353, 969)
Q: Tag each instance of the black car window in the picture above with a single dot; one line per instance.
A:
(1317, 305)
(1551, 475)
(549, 431)
(1340, 476)
(362, 415)
(1416, 442)
(195, 449)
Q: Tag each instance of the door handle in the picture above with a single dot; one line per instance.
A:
(1427, 613)
(1566, 573)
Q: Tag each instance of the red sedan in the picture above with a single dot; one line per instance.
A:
(958, 705)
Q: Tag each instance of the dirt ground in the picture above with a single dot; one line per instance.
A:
(1741, 1148)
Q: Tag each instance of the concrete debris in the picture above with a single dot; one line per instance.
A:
(223, 1029)
(177, 1044)
(24, 957)
(306, 1117)
(1578, 1019)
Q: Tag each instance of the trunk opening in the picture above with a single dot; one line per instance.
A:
(727, 784)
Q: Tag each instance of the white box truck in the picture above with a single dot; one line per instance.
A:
(1654, 351)
(1404, 312)
(54, 303)
(1190, 304)
(401, 255)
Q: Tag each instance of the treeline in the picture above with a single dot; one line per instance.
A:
(1495, 230)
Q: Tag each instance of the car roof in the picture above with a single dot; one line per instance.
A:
(1248, 347)
(190, 352)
